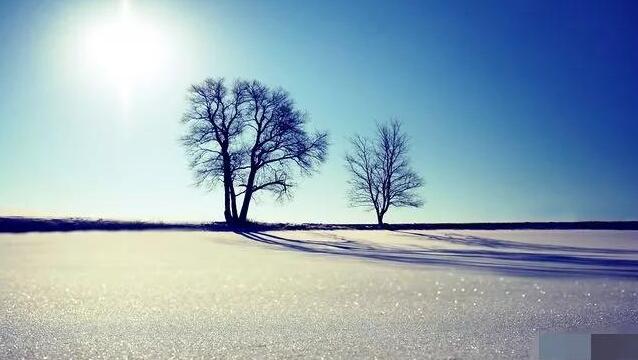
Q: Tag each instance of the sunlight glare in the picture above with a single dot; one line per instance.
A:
(126, 51)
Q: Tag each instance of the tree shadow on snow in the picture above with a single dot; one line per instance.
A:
(471, 240)
(563, 261)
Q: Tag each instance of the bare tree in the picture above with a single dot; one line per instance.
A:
(215, 119)
(279, 144)
(381, 175)
(252, 137)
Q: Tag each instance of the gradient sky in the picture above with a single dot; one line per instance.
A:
(517, 110)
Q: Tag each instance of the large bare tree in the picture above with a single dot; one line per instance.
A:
(380, 173)
(215, 119)
(251, 138)
(278, 144)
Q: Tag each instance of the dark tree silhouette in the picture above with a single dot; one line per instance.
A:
(279, 144)
(381, 175)
(215, 119)
(250, 137)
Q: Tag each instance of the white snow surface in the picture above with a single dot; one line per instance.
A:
(311, 294)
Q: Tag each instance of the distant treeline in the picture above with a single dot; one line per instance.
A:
(25, 224)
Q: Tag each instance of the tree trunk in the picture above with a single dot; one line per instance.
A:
(228, 188)
(380, 219)
(227, 213)
(243, 215)
(233, 201)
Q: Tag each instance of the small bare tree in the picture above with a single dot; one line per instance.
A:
(381, 175)
(251, 138)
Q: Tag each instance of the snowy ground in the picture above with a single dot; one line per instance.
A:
(300, 294)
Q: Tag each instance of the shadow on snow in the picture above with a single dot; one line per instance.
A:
(565, 261)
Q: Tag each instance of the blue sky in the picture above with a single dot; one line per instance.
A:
(517, 110)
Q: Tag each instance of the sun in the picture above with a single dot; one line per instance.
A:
(126, 51)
